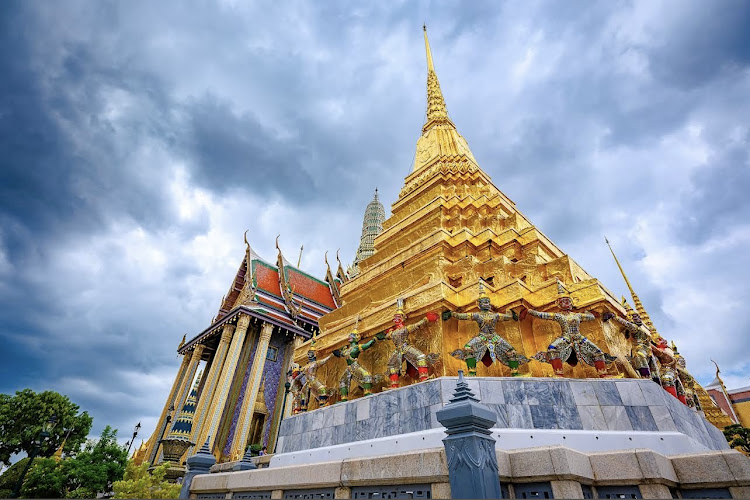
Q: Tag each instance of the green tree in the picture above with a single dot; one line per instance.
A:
(10, 477)
(23, 415)
(46, 479)
(738, 437)
(92, 470)
(138, 483)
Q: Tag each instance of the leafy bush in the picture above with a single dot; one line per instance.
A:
(138, 483)
(738, 437)
(9, 478)
(93, 470)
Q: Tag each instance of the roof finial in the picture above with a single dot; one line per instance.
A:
(248, 260)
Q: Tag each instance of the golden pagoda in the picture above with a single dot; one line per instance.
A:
(450, 228)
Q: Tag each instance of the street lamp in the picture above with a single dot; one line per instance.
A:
(37, 446)
(135, 433)
(287, 386)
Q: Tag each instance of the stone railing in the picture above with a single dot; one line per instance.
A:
(567, 473)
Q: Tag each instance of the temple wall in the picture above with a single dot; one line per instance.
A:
(272, 376)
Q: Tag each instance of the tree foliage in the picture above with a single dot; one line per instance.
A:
(45, 480)
(22, 417)
(92, 470)
(138, 483)
(738, 437)
(10, 477)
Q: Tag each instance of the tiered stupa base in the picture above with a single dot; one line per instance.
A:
(587, 415)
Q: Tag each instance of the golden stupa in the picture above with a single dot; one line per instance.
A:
(450, 228)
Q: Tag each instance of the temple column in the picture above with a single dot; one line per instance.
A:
(178, 401)
(199, 434)
(187, 383)
(251, 393)
(224, 383)
(170, 401)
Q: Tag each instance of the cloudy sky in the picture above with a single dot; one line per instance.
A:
(138, 140)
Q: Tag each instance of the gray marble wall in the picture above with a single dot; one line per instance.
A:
(522, 403)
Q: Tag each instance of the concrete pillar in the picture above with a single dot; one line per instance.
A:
(199, 463)
(470, 447)
(439, 490)
(739, 491)
(568, 489)
(225, 381)
(654, 491)
(346, 492)
(156, 436)
(199, 434)
(251, 393)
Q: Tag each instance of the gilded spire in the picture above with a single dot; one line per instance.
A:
(440, 141)
(436, 110)
(430, 66)
(637, 301)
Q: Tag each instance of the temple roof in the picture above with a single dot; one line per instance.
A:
(313, 293)
(258, 292)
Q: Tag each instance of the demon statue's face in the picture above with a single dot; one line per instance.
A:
(565, 303)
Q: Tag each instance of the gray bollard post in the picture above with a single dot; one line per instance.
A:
(470, 447)
(200, 463)
(246, 463)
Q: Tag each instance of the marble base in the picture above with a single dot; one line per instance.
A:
(665, 443)
(627, 407)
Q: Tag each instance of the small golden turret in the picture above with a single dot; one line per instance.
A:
(636, 300)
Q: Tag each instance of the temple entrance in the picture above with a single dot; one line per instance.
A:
(257, 424)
